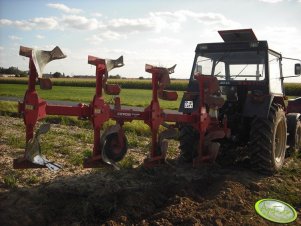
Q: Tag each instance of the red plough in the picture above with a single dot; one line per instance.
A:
(111, 146)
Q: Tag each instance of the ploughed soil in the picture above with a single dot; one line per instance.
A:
(171, 194)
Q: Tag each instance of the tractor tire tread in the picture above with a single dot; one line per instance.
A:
(261, 143)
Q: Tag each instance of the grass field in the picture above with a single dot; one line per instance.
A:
(130, 97)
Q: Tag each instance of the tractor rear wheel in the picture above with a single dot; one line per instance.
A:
(268, 141)
(189, 139)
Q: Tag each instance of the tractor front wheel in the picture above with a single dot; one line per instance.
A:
(268, 141)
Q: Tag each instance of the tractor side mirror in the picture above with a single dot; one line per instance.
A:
(297, 69)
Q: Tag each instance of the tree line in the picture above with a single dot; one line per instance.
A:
(13, 71)
(19, 73)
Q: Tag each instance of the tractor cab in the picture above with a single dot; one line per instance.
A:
(249, 84)
(242, 65)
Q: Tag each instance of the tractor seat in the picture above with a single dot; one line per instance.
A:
(168, 95)
(112, 89)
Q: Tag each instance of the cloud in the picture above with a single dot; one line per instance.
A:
(64, 8)
(203, 18)
(52, 23)
(117, 28)
(120, 51)
(271, 1)
(169, 21)
(97, 14)
(94, 40)
(80, 22)
(111, 35)
(165, 40)
(24, 25)
(39, 23)
(152, 22)
(5, 22)
(1, 48)
(283, 39)
(130, 25)
(40, 36)
(45, 23)
(13, 37)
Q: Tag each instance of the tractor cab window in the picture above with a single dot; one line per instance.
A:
(209, 66)
(247, 65)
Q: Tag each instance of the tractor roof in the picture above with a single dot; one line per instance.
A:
(236, 40)
(240, 35)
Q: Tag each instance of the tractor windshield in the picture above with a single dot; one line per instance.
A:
(238, 65)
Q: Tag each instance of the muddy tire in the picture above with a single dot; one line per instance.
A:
(188, 138)
(268, 141)
(294, 130)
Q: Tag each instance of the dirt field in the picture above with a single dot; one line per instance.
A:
(167, 195)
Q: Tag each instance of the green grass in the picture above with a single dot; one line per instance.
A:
(32, 179)
(138, 128)
(76, 159)
(15, 141)
(130, 97)
(10, 180)
(127, 163)
(9, 108)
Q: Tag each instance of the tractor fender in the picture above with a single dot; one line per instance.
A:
(259, 106)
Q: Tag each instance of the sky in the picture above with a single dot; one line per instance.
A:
(158, 32)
